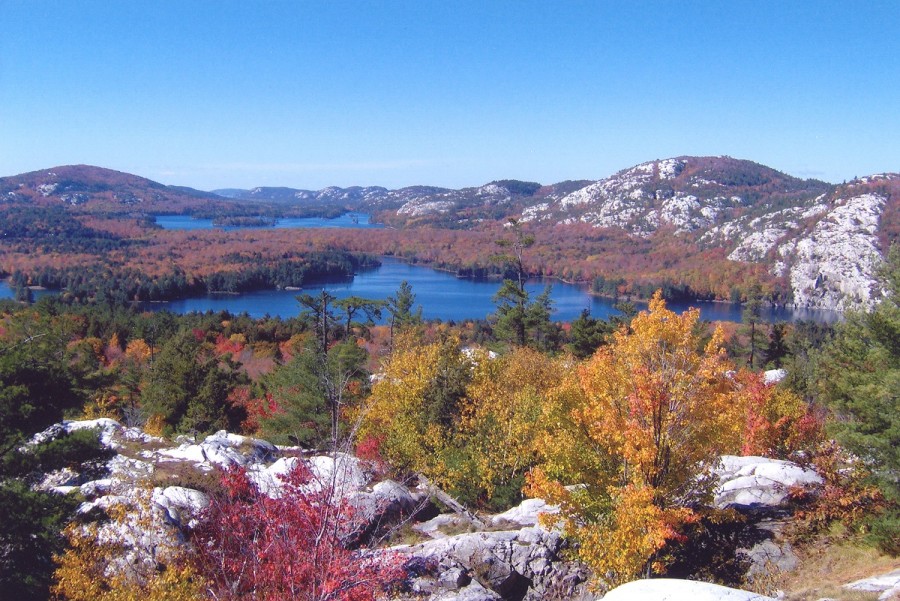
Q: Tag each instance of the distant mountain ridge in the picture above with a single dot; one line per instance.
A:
(100, 189)
(826, 241)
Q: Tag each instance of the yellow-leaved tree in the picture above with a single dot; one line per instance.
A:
(634, 432)
(465, 419)
(502, 418)
(414, 405)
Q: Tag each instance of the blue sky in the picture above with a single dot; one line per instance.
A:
(309, 94)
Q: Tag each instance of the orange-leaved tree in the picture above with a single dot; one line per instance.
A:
(778, 422)
(635, 432)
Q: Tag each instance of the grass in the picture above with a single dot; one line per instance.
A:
(403, 535)
(827, 563)
(177, 473)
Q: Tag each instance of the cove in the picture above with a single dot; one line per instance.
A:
(345, 221)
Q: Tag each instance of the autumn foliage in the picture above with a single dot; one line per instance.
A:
(638, 427)
(778, 422)
(125, 559)
(467, 421)
(292, 546)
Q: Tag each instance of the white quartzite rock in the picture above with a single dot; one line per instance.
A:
(670, 589)
(224, 450)
(759, 482)
(182, 505)
(834, 267)
(886, 584)
(525, 513)
(773, 376)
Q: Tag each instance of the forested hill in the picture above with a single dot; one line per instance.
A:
(95, 188)
(684, 222)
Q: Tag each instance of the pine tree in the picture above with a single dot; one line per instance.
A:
(860, 377)
(588, 334)
(400, 307)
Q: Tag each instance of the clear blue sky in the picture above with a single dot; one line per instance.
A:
(308, 94)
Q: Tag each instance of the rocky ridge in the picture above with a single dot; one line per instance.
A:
(95, 188)
(826, 241)
(507, 556)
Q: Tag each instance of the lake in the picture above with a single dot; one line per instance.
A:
(444, 296)
(346, 221)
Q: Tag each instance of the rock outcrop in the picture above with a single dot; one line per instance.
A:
(887, 585)
(760, 484)
(509, 555)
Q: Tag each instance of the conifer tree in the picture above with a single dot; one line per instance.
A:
(860, 380)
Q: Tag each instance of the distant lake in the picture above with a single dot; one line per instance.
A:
(347, 220)
(444, 296)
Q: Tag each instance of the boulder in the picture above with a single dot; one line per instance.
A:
(269, 478)
(773, 376)
(514, 564)
(525, 513)
(112, 434)
(759, 483)
(387, 502)
(670, 589)
(182, 505)
(224, 450)
(886, 584)
(347, 473)
(768, 556)
(437, 526)
(381, 509)
(62, 481)
(472, 592)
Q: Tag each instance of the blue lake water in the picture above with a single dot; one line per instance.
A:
(347, 221)
(444, 296)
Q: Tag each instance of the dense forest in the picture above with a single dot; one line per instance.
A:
(612, 420)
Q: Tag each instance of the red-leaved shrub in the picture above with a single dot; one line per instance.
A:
(252, 546)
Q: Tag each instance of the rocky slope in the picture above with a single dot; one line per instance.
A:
(826, 241)
(447, 556)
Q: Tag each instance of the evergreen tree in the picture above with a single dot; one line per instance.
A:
(338, 367)
(751, 317)
(400, 308)
(188, 387)
(777, 349)
(37, 384)
(301, 417)
(544, 334)
(512, 310)
(588, 334)
(860, 376)
(353, 306)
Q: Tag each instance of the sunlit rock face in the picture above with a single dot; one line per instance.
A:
(834, 267)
